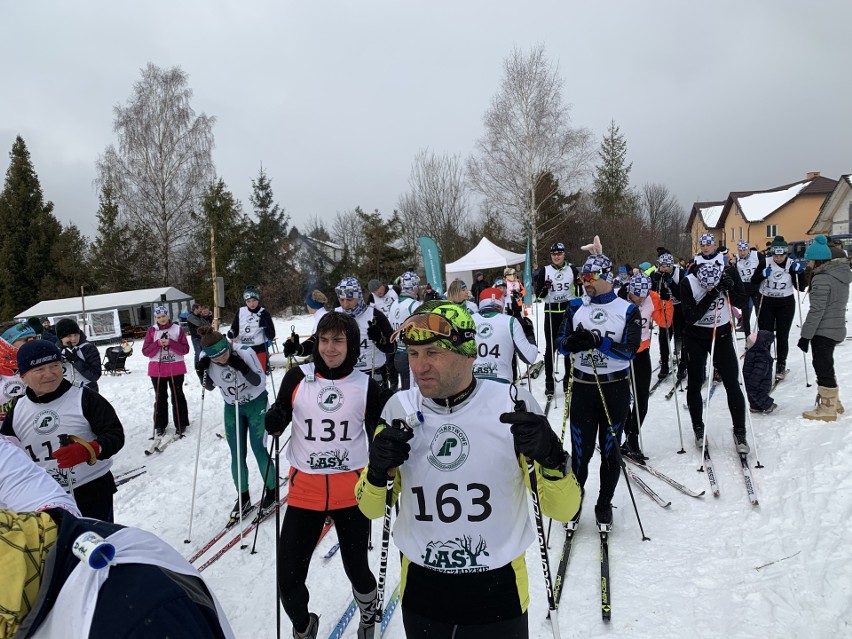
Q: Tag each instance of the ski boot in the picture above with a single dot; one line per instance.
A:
(603, 517)
(630, 448)
(664, 370)
(780, 371)
(267, 503)
(698, 429)
(245, 500)
(742, 444)
(311, 631)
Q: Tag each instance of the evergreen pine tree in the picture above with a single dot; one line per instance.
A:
(70, 257)
(29, 231)
(114, 254)
(611, 191)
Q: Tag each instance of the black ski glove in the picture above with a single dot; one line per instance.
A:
(291, 345)
(374, 333)
(665, 293)
(237, 363)
(803, 344)
(725, 285)
(389, 450)
(534, 439)
(581, 340)
(70, 355)
(276, 420)
(203, 364)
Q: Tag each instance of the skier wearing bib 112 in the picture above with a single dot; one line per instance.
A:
(604, 332)
(252, 325)
(555, 286)
(333, 409)
(241, 378)
(461, 479)
(783, 277)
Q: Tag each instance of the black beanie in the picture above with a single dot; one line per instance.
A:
(66, 327)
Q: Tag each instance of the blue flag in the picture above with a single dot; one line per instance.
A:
(528, 283)
(431, 262)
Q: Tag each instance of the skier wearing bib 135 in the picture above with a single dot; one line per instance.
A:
(333, 409)
(460, 475)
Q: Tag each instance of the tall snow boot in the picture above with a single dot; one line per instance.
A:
(826, 408)
(367, 604)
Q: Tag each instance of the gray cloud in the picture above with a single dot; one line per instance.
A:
(335, 98)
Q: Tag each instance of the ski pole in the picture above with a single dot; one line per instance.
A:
(197, 457)
(674, 362)
(742, 381)
(636, 404)
(277, 533)
(616, 446)
(383, 558)
(804, 358)
(706, 407)
(539, 526)
(265, 481)
(238, 435)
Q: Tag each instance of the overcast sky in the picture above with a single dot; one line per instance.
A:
(336, 98)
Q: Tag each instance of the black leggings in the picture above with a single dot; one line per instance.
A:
(553, 316)
(299, 533)
(666, 334)
(589, 426)
(776, 315)
(419, 626)
(163, 387)
(823, 360)
(642, 375)
(725, 361)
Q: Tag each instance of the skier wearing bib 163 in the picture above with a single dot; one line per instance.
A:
(555, 285)
(460, 476)
(333, 409)
(604, 332)
(777, 306)
(704, 295)
(499, 337)
(241, 378)
(252, 325)
(375, 343)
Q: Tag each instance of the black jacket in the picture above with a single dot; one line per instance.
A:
(86, 360)
(757, 371)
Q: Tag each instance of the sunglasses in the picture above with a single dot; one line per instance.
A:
(425, 328)
(591, 277)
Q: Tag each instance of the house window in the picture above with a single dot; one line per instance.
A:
(771, 230)
(741, 232)
(732, 233)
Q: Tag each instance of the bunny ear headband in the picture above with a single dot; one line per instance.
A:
(594, 248)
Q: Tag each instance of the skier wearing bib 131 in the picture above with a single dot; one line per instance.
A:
(333, 409)
(460, 476)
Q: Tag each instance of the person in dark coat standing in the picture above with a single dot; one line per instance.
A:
(757, 372)
(83, 361)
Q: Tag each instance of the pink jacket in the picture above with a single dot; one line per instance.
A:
(165, 362)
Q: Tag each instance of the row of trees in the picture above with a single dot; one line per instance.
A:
(166, 218)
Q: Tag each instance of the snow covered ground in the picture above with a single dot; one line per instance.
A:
(707, 571)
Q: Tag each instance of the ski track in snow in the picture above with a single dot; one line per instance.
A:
(697, 576)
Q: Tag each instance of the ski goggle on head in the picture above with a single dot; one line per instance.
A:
(779, 250)
(425, 328)
(591, 277)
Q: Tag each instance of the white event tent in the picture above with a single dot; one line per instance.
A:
(484, 255)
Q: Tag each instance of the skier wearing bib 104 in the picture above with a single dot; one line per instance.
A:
(499, 337)
(777, 306)
(252, 325)
(604, 332)
(461, 479)
(375, 344)
(333, 409)
(555, 285)
(240, 377)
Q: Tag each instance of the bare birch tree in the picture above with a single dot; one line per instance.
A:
(436, 204)
(528, 135)
(161, 164)
(666, 217)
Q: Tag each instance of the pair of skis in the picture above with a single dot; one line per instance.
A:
(751, 491)
(559, 582)
(161, 443)
(352, 608)
(662, 477)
